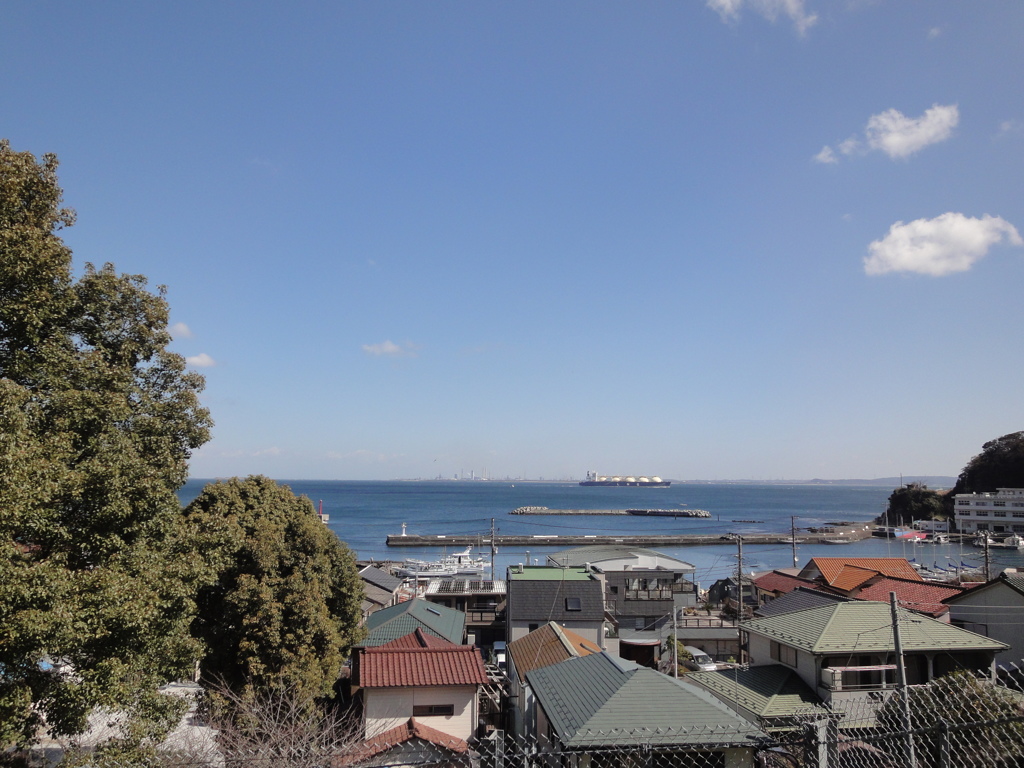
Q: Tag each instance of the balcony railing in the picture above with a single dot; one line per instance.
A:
(484, 616)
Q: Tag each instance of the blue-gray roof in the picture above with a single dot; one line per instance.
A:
(601, 700)
(402, 619)
(800, 599)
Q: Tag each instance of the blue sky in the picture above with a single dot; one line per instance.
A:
(728, 239)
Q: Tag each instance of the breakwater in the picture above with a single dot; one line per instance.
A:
(639, 512)
(560, 540)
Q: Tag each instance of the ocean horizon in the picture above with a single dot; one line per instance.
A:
(362, 513)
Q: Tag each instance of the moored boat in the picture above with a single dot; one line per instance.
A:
(459, 565)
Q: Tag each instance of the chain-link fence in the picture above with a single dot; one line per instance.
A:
(959, 721)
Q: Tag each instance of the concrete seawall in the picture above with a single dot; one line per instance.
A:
(669, 540)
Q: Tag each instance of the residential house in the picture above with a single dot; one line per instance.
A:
(380, 589)
(999, 512)
(994, 609)
(799, 599)
(546, 645)
(483, 602)
(571, 596)
(773, 584)
(772, 696)
(846, 650)
(922, 597)
(601, 701)
(641, 589)
(409, 744)
(402, 619)
(422, 677)
(848, 572)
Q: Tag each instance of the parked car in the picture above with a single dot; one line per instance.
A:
(699, 661)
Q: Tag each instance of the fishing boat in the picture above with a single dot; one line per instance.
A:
(460, 565)
(1010, 542)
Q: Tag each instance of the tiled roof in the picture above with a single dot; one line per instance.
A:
(772, 690)
(376, 595)
(548, 645)
(919, 596)
(601, 699)
(864, 627)
(379, 578)
(399, 620)
(851, 577)
(780, 583)
(401, 667)
(401, 734)
(418, 639)
(800, 599)
(831, 567)
(544, 601)
(1014, 581)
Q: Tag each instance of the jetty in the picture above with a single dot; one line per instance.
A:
(570, 540)
(641, 512)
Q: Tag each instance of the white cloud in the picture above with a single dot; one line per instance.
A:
(729, 10)
(272, 451)
(388, 348)
(826, 156)
(202, 360)
(899, 136)
(941, 246)
(1010, 126)
(934, 32)
(180, 331)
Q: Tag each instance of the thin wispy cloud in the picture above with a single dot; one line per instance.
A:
(794, 10)
(180, 331)
(897, 135)
(934, 33)
(941, 246)
(361, 454)
(202, 360)
(388, 348)
(1007, 127)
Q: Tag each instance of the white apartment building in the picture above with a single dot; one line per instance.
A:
(999, 512)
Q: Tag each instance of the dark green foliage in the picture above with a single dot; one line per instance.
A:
(97, 421)
(285, 608)
(999, 465)
(914, 502)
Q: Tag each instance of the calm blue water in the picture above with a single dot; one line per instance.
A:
(362, 514)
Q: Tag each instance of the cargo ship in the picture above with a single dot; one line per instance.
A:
(640, 482)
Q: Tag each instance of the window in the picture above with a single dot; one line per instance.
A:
(573, 604)
(615, 590)
(784, 653)
(998, 503)
(1000, 513)
(433, 710)
(981, 513)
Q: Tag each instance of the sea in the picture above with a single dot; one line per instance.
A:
(363, 513)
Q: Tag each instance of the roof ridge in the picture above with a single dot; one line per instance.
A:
(569, 647)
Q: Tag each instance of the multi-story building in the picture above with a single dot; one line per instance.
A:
(999, 512)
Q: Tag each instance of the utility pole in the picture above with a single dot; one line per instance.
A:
(792, 529)
(675, 641)
(988, 556)
(739, 613)
(493, 548)
(901, 683)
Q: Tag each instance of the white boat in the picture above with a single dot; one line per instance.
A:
(1010, 542)
(459, 565)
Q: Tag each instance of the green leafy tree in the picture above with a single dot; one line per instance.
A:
(914, 502)
(285, 608)
(97, 422)
(999, 465)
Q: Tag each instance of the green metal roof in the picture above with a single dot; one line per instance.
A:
(601, 699)
(402, 619)
(769, 691)
(547, 573)
(859, 627)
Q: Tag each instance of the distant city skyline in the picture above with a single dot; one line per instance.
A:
(721, 239)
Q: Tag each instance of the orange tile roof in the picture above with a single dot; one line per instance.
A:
(830, 567)
(400, 734)
(547, 645)
(852, 576)
(391, 667)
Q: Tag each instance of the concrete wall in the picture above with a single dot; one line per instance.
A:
(996, 612)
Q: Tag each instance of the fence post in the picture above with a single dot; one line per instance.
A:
(816, 739)
(943, 750)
